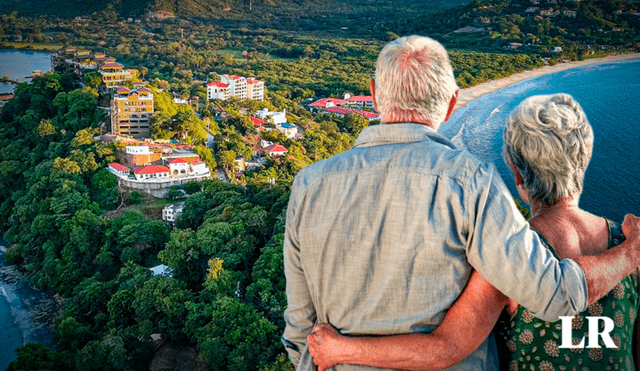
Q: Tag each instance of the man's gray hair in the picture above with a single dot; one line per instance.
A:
(549, 141)
(414, 78)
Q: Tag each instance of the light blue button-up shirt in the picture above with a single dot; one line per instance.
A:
(382, 238)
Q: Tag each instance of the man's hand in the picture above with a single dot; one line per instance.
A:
(324, 345)
(631, 227)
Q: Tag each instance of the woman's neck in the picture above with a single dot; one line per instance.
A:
(571, 231)
(565, 206)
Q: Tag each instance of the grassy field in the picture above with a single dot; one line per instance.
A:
(29, 46)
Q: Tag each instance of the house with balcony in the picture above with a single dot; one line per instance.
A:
(218, 90)
(359, 102)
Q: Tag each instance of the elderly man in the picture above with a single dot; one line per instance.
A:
(382, 239)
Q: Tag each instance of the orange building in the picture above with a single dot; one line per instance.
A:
(131, 113)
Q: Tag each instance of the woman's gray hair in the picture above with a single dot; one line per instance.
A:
(549, 141)
(414, 78)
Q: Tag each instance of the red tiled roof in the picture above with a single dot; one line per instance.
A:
(140, 83)
(368, 114)
(323, 102)
(181, 160)
(118, 166)
(124, 90)
(344, 111)
(253, 81)
(83, 51)
(178, 161)
(113, 65)
(6, 97)
(256, 121)
(69, 48)
(235, 77)
(145, 90)
(360, 98)
(276, 148)
(218, 84)
(151, 169)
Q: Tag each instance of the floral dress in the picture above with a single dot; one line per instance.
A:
(533, 344)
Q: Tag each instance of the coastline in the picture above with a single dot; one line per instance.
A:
(469, 94)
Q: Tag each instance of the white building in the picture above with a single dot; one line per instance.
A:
(151, 172)
(237, 85)
(119, 169)
(170, 213)
(217, 90)
(187, 166)
(290, 130)
(359, 102)
(277, 118)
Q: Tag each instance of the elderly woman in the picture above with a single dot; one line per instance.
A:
(547, 144)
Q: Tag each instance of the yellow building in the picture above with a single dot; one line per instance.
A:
(131, 113)
(114, 75)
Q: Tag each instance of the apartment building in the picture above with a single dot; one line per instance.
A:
(131, 112)
(235, 86)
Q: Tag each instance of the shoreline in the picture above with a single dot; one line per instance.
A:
(469, 94)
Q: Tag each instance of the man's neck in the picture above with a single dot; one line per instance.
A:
(413, 120)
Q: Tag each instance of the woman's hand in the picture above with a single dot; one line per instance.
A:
(324, 345)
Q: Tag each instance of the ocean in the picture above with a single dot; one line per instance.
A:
(26, 314)
(17, 64)
(609, 94)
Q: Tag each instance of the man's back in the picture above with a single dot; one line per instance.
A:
(378, 237)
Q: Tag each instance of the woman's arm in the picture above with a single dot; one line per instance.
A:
(464, 328)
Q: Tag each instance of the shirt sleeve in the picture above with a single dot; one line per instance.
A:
(300, 315)
(508, 254)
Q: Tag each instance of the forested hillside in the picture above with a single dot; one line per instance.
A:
(215, 9)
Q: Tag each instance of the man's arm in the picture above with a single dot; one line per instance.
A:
(466, 325)
(606, 270)
(300, 315)
(509, 255)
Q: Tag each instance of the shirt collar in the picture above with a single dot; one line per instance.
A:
(399, 133)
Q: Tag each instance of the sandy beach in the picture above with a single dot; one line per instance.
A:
(474, 92)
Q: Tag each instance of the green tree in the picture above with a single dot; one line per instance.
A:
(35, 356)
(93, 79)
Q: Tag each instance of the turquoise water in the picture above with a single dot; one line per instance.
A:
(26, 314)
(609, 94)
(17, 64)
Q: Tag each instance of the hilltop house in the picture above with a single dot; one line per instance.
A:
(170, 213)
(359, 102)
(325, 103)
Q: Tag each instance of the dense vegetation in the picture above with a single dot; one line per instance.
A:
(55, 190)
